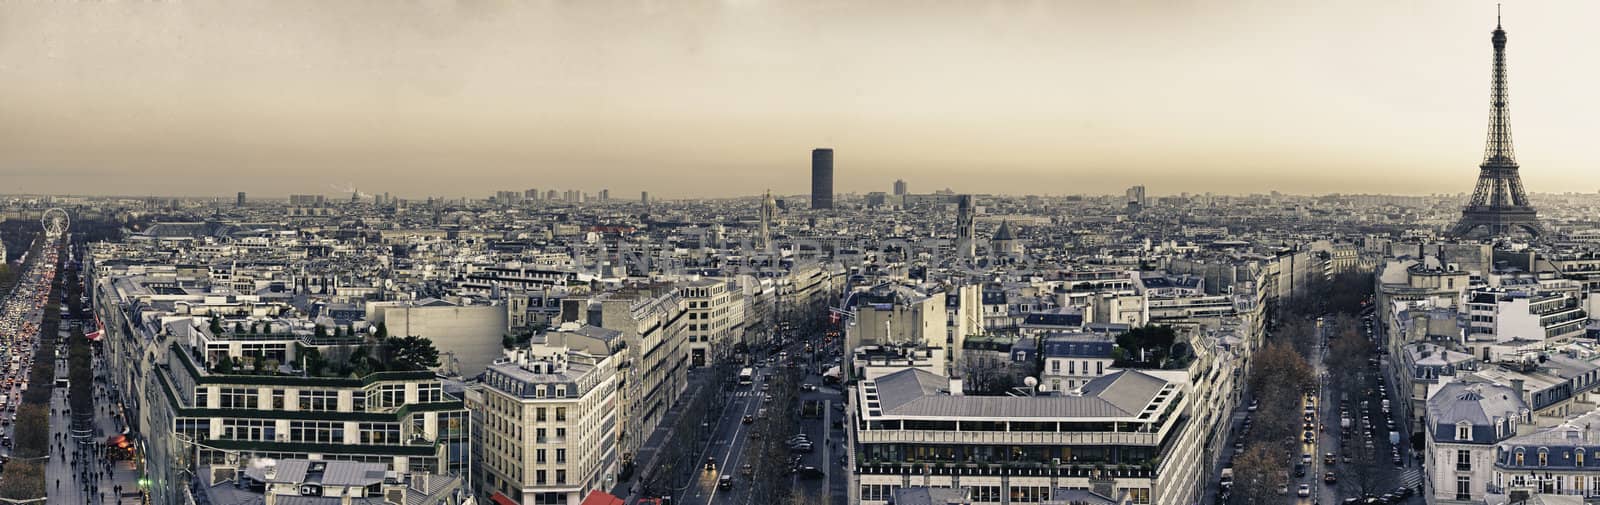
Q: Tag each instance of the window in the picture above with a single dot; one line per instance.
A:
(1519, 456)
(1544, 457)
(538, 456)
(539, 435)
(561, 476)
(1463, 431)
(387, 396)
(1055, 366)
(238, 398)
(202, 397)
(561, 434)
(561, 455)
(380, 433)
(325, 432)
(1463, 460)
(538, 414)
(561, 413)
(318, 400)
(277, 399)
(196, 429)
(1577, 458)
(1463, 487)
(430, 392)
(249, 429)
(538, 477)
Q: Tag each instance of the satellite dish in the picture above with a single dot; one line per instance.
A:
(1031, 382)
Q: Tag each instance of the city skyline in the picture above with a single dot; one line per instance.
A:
(1232, 98)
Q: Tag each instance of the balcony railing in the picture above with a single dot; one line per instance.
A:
(1013, 469)
(1006, 437)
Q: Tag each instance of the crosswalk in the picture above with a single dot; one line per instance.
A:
(1411, 477)
(747, 394)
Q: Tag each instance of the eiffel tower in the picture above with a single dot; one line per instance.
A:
(1498, 204)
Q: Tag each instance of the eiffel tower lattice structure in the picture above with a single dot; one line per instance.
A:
(1499, 205)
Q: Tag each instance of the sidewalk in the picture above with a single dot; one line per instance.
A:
(64, 481)
(645, 460)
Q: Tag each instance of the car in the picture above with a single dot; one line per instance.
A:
(1254, 404)
(809, 472)
(1305, 459)
(797, 439)
(808, 387)
(1305, 490)
(1329, 478)
(1397, 461)
(1299, 470)
(746, 469)
(748, 419)
(711, 464)
(1389, 498)
(725, 482)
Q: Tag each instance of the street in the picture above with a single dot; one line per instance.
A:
(811, 475)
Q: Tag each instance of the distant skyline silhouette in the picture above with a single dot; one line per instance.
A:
(728, 99)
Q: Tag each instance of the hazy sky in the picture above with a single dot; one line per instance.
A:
(685, 98)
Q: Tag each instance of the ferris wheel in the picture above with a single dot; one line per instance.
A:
(55, 222)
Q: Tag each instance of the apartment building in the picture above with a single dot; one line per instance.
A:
(203, 411)
(550, 418)
(1502, 321)
(1123, 438)
(715, 319)
(1465, 422)
(650, 320)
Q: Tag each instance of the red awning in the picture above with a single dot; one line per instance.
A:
(117, 440)
(602, 498)
(500, 499)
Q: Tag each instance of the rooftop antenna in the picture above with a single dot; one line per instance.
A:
(1496, 15)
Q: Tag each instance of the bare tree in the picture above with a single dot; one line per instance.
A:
(1258, 475)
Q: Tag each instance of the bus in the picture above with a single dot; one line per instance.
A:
(747, 376)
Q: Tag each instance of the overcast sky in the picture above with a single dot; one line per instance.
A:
(685, 98)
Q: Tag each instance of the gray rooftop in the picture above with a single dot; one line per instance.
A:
(919, 393)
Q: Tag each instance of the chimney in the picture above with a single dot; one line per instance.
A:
(955, 387)
(1516, 384)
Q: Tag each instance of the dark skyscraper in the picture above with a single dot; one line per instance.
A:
(240, 201)
(899, 187)
(822, 178)
(1498, 203)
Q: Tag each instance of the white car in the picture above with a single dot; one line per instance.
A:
(1305, 490)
